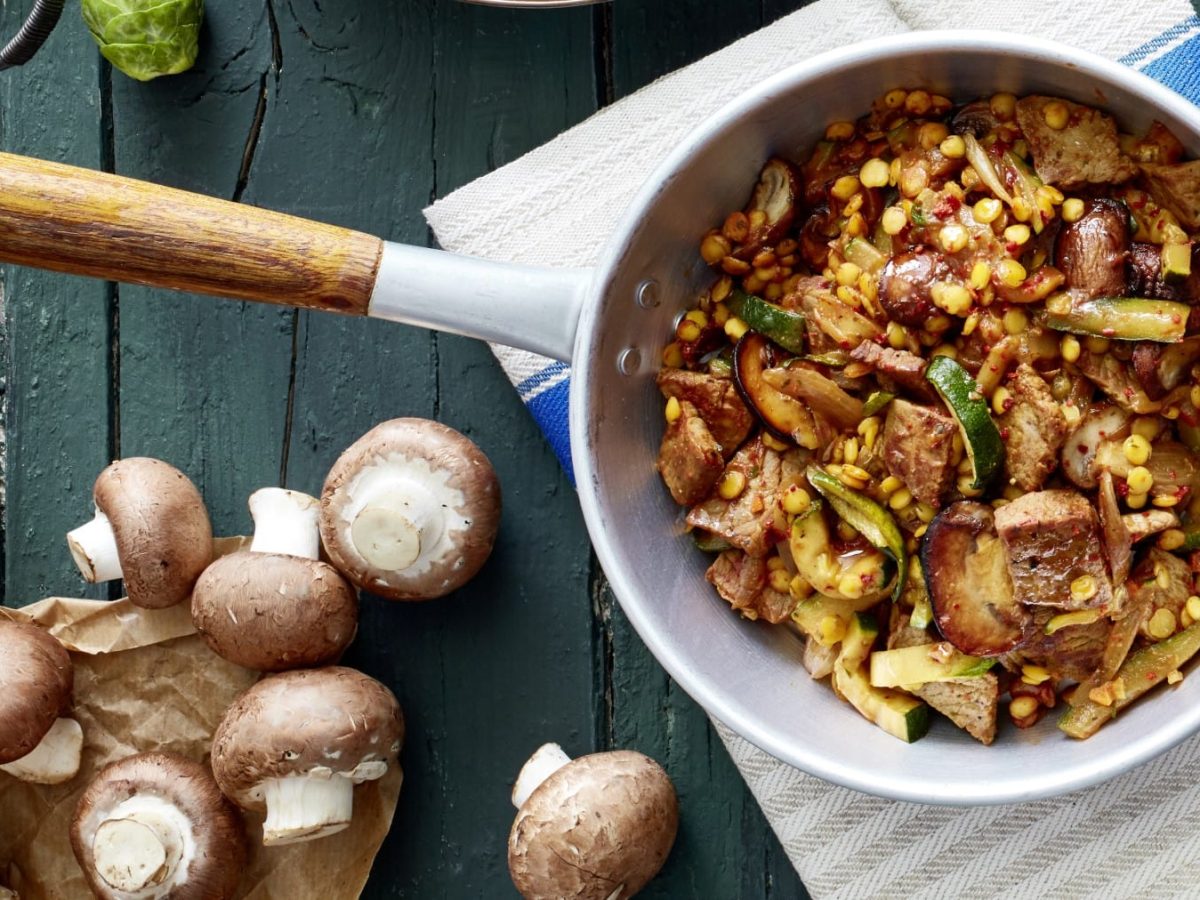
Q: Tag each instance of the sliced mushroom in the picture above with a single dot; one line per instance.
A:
(37, 744)
(1092, 251)
(298, 742)
(1145, 274)
(276, 606)
(904, 286)
(595, 828)
(151, 528)
(971, 592)
(410, 510)
(155, 825)
(772, 207)
(1160, 368)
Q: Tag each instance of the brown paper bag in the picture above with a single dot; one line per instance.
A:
(144, 680)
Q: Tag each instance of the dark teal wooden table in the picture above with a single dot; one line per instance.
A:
(360, 112)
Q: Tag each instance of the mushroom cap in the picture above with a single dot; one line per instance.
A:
(36, 678)
(271, 612)
(333, 720)
(600, 827)
(217, 830)
(433, 452)
(162, 531)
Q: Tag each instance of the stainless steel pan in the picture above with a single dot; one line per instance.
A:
(611, 323)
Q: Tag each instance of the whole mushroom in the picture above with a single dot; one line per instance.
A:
(410, 510)
(298, 742)
(155, 825)
(276, 606)
(37, 743)
(150, 528)
(595, 828)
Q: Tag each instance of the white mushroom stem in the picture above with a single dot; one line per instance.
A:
(142, 846)
(546, 760)
(304, 807)
(285, 522)
(94, 549)
(55, 759)
(395, 523)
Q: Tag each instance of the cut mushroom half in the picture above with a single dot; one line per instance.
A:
(296, 744)
(150, 528)
(37, 743)
(599, 826)
(155, 825)
(276, 606)
(410, 510)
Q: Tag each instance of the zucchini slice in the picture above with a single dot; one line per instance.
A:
(866, 517)
(966, 403)
(899, 714)
(876, 401)
(924, 663)
(1118, 318)
(783, 326)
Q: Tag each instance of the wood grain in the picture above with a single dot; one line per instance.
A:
(75, 220)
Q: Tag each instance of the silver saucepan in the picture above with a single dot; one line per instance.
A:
(611, 323)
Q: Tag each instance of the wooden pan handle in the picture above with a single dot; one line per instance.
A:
(88, 223)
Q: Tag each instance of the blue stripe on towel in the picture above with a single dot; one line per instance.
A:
(1179, 68)
(1171, 34)
(537, 379)
(549, 409)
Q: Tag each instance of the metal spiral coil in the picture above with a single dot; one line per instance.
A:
(33, 33)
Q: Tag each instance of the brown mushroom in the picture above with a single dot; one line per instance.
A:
(155, 825)
(410, 510)
(595, 828)
(296, 743)
(1092, 252)
(36, 676)
(276, 606)
(151, 528)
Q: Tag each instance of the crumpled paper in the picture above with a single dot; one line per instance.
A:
(144, 680)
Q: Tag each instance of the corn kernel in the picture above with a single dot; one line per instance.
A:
(966, 486)
(1056, 115)
(839, 131)
(1137, 449)
(699, 316)
(953, 298)
(849, 296)
(1072, 209)
(773, 291)
(1000, 400)
(894, 99)
(1050, 192)
(1194, 395)
(764, 259)
(780, 580)
(931, 134)
(953, 147)
(897, 337)
(1072, 414)
(969, 178)
(1003, 106)
(1011, 272)
(1193, 607)
(1161, 624)
(925, 512)
(1083, 588)
(1174, 676)
(674, 410)
(981, 274)
(775, 562)
(1171, 412)
(758, 218)
(874, 173)
(1161, 576)
(1185, 621)
(913, 181)
(1031, 674)
(847, 273)
(735, 328)
(832, 629)
(970, 324)
(850, 445)
(1021, 209)
(1171, 539)
(1165, 501)
(868, 430)
(900, 499)
(736, 227)
(953, 237)
(672, 355)
(850, 585)
(918, 103)
(845, 531)
(771, 442)
(845, 187)
(894, 171)
(1135, 500)
(796, 500)
(1017, 234)
(890, 485)
(799, 588)
(1096, 344)
(1065, 620)
(1015, 321)
(720, 315)
(854, 477)
(1140, 480)
(714, 248)
(731, 265)
(1102, 695)
(987, 210)
(945, 350)
(732, 485)
(1023, 707)
(854, 204)
(687, 331)
(722, 288)
(1069, 348)
(856, 225)
(894, 220)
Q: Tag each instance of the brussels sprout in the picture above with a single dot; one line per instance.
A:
(146, 38)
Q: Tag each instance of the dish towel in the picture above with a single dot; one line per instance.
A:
(1135, 836)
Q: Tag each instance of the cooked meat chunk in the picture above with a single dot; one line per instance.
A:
(716, 399)
(1074, 652)
(1162, 581)
(689, 458)
(904, 286)
(970, 703)
(1034, 429)
(742, 580)
(904, 368)
(1145, 274)
(918, 448)
(1086, 151)
(1052, 538)
(1092, 251)
(1150, 521)
(753, 521)
(934, 165)
(1177, 188)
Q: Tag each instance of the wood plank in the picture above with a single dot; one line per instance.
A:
(55, 347)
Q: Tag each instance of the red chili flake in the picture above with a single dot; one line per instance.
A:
(1082, 448)
(1012, 247)
(1122, 488)
(1176, 318)
(1004, 432)
(1108, 332)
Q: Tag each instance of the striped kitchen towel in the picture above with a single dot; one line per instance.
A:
(1134, 836)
